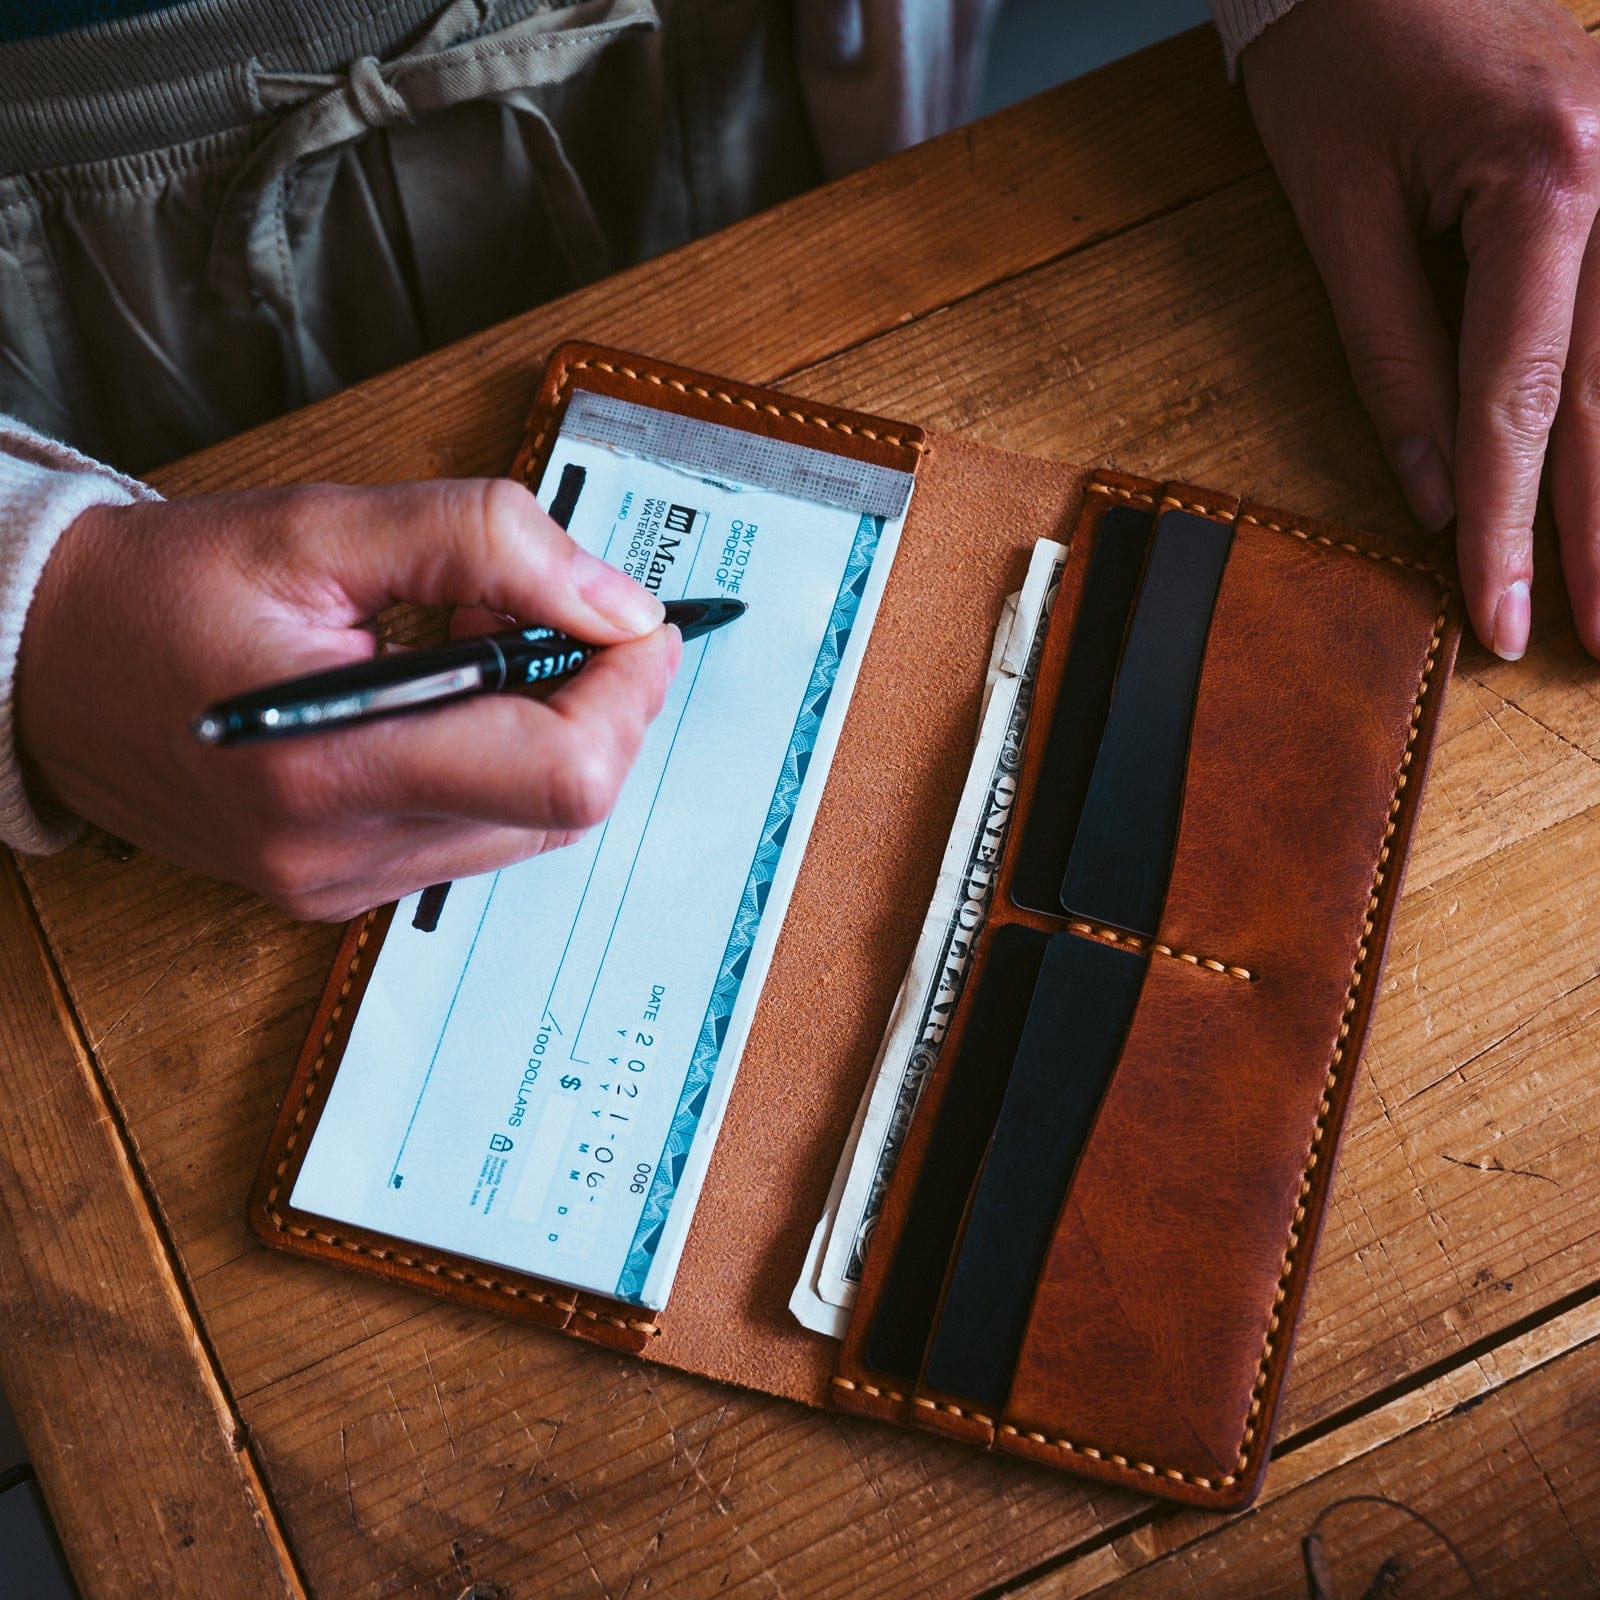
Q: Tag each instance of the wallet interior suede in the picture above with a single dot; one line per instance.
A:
(1097, 1238)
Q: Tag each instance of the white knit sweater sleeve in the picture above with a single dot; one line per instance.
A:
(1240, 21)
(43, 487)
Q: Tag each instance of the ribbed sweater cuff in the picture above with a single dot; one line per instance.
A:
(43, 487)
(1240, 21)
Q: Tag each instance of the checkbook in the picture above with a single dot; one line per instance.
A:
(543, 1055)
(955, 1021)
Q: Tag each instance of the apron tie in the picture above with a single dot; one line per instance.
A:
(451, 64)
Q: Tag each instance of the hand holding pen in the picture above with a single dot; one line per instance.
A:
(183, 599)
(419, 680)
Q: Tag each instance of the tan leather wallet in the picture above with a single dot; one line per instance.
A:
(1111, 1187)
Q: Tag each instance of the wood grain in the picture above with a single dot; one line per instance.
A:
(1069, 279)
(92, 1312)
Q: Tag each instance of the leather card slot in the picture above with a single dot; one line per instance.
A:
(1082, 704)
(1082, 1004)
(1146, 1331)
(1160, 1325)
(966, 1120)
(1122, 853)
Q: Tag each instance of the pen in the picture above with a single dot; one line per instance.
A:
(413, 680)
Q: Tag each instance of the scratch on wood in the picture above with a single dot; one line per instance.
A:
(438, 1400)
(692, 1476)
(159, 979)
(1497, 1165)
(344, 1461)
(1538, 722)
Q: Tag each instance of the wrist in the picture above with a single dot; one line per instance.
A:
(1241, 22)
(44, 489)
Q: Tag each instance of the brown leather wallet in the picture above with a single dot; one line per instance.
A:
(1152, 1345)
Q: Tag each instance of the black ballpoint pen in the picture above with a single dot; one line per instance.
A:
(415, 680)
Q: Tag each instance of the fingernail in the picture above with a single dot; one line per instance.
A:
(1420, 466)
(1511, 622)
(615, 595)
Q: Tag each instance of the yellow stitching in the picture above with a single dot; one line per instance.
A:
(1278, 527)
(1331, 1083)
(1194, 506)
(1355, 550)
(618, 1322)
(1138, 497)
(727, 399)
(870, 1388)
(1136, 941)
(435, 1269)
(956, 1411)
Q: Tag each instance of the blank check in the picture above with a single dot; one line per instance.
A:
(543, 1056)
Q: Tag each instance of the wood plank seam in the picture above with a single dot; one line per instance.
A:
(1020, 275)
(173, 1276)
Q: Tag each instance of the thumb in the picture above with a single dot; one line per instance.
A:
(1399, 353)
(480, 542)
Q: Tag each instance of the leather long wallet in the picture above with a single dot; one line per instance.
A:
(1096, 1241)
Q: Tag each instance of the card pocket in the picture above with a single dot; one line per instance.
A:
(1124, 1282)
(1160, 1326)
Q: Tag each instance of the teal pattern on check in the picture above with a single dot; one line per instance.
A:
(747, 919)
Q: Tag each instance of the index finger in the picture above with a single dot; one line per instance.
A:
(1517, 323)
(479, 542)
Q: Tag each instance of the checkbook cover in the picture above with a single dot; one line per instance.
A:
(1146, 1341)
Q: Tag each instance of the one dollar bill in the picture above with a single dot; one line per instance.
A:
(933, 984)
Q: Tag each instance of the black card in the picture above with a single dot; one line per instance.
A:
(1081, 707)
(955, 1150)
(1082, 1004)
(1122, 853)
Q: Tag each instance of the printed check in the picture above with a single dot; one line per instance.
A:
(539, 1066)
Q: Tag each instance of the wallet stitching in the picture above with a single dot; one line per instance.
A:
(1354, 549)
(1138, 497)
(870, 1388)
(1199, 509)
(1332, 1083)
(1137, 942)
(436, 1269)
(1324, 1111)
(723, 396)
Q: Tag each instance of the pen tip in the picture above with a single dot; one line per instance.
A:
(695, 617)
(208, 730)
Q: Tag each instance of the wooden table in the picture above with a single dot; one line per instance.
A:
(1107, 274)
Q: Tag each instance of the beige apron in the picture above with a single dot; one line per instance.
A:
(214, 213)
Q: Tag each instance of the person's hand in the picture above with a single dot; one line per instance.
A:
(1387, 119)
(147, 613)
